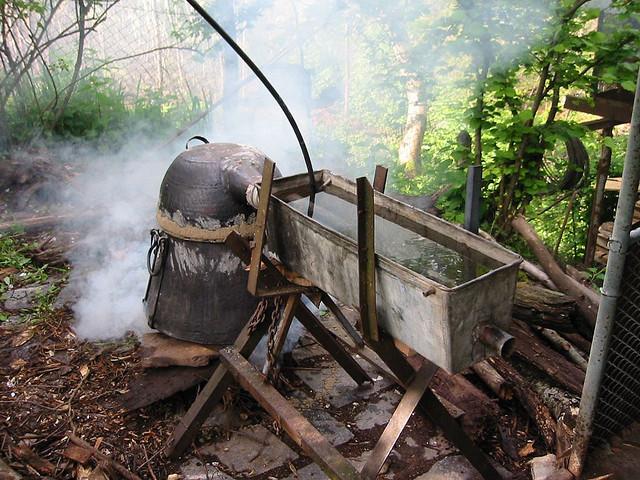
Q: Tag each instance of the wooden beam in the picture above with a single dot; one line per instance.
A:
(260, 225)
(612, 110)
(299, 429)
(367, 260)
(326, 339)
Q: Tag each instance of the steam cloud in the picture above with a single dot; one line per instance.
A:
(121, 191)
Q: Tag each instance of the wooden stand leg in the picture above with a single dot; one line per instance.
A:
(333, 308)
(331, 344)
(431, 406)
(189, 425)
(300, 430)
(398, 421)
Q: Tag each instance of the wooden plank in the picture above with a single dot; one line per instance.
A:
(609, 108)
(299, 429)
(344, 322)
(331, 344)
(157, 384)
(367, 260)
(380, 178)
(260, 225)
(398, 421)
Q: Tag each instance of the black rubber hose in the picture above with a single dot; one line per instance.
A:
(254, 68)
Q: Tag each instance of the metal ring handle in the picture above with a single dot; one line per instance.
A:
(196, 137)
(157, 250)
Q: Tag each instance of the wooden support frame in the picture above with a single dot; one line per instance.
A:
(367, 260)
(260, 225)
(234, 366)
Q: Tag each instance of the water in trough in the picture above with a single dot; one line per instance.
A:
(421, 255)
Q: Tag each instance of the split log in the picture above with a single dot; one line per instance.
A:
(496, 382)
(547, 308)
(586, 299)
(534, 406)
(159, 350)
(583, 344)
(564, 346)
(478, 407)
(530, 349)
(562, 404)
(101, 457)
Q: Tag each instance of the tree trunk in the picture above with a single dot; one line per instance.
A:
(586, 299)
(416, 124)
(543, 307)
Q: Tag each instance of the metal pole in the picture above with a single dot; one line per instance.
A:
(472, 200)
(618, 245)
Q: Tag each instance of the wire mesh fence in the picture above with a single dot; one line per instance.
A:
(619, 397)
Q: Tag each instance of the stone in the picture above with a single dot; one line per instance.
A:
(378, 412)
(23, 298)
(251, 451)
(159, 350)
(194, 469)
(334, 431)
(333, 385)
(454, 467)
(305, 352)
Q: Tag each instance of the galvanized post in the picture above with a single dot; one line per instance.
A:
(472, 201)
(618, 245)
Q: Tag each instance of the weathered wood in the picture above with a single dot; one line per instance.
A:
(42, 465)
(565, 347)
(159, 350)
(118, 467)
(597, 205)
(586, 299)
(398, 421)
(380, 178)
(492, 379)
(530, 349)
(478, 407)
(77, 454)
(537, 274)
(540, 306)
(299, 429)
(157, 384)
(260, 225)
(611, 109)
(367, 260)
(579, 341)
(324, 337)
(537, 410)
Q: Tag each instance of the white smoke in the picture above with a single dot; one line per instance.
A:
(117, 194)
(121, 190)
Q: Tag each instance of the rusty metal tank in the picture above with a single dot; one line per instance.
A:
(197, 286)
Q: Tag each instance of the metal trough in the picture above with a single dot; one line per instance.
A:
(444, 319)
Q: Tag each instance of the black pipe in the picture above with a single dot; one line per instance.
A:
(254, 68)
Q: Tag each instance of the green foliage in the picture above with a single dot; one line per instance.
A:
(99, 111)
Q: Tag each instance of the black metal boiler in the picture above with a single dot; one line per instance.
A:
(197, 286)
